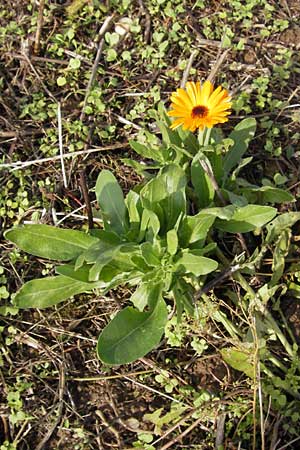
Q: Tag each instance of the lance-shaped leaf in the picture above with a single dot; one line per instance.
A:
(145, 150)
(165, 195)
(132, 333)
(198, 265)
(111, 201)
(195, 228)
(267, 194)
(241, 135)
(49, 291)
(247, 218)
(281, 223)
(50, 242)
(201, 182)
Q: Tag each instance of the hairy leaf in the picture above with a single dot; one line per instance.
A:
(50, 242)
(132, 333)
(198, 265)
(241, 135)
(111, 201)
(247, 218)
(45, 292)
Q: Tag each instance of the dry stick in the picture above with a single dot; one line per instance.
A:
(289, 443)
(218, 63)
(84, 189)
(216, 281)
(60, 141)
(220, 431)
(38, 77)
(144, 386)
(61, 391)
(181, 435)
(22, 433)
(288, 101)
(148, 21)
(175, 426)
(260, 397)
(22, 165)
(39, 27)
(5, 428)
(286, 6)
(103, 29)
(274, 439)
(109, 426)
(188, 68)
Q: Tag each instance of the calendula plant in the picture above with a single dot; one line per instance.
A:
(161, 237)
(211, 161)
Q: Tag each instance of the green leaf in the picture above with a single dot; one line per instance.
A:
(102, 260)
(165, 195)
(195, 228)
(145, 151)
(189, 139)
(170, 180)
(279, 255)
(247, 218)
(107, 243)
(267, 194)
(183, 295)
(68, 270)
(132, 201)
(132, 333)
(149, 221)
(145, 295)
(222, 212)
(140, 169)
(74, 63)
(282, 222)
(172, 241)
(243, 163)
(202, 185)
(111, 55)
(50, 242)
(241, 135)
(173, 207)
(168, 136)
(61, 81)
(140, 297)
(45, 292)
(241, 360)
(149, 254)
(198, 265)
(111, 201)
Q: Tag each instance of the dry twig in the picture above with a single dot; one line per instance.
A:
(39, 27)
(102, 31)
(86, 198)
(61, 390)
(188, 68)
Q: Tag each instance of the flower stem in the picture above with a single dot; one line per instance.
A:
(207, 136)
(201, 136)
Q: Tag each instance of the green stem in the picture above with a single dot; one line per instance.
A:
(207, 136)
(201, 136)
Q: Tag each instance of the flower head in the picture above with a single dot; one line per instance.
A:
(199, 106)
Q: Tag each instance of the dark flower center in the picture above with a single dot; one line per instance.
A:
(200, 111)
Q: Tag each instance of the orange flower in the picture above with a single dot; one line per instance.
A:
(199, 106)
